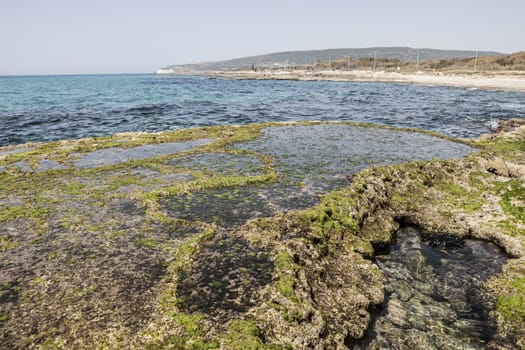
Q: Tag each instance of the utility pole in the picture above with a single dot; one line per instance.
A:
(348, 62)
(329, 62)
(375, 58)
(417, 61)
(476, 63)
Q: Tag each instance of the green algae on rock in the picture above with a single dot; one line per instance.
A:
(140, 253)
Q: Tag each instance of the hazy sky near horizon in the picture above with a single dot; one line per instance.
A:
(132, 36)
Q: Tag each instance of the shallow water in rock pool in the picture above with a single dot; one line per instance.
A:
(434, 297)
(311, 160)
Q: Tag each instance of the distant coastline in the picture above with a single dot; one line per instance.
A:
(470, 69)
(514, 81)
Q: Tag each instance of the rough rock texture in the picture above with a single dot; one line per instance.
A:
(497, 166)
(509, 125)
(91, 258)
(323, 289)
(476, 197)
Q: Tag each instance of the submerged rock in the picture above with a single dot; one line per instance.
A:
(435, 295)
(116, 155)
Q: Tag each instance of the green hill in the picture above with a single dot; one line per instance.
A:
(403, 54)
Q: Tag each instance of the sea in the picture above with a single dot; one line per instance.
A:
(47, 108)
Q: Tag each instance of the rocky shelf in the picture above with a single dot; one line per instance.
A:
(264, 236)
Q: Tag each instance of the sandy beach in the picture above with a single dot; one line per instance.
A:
(500, 81)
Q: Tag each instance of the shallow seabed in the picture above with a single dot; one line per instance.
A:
(435, 298)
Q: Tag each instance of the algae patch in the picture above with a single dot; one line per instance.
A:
(224, 278)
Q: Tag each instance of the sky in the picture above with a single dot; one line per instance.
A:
(132, 36)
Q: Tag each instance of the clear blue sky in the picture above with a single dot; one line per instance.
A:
(131, 36)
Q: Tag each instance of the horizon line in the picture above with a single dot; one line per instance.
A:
(68, 74)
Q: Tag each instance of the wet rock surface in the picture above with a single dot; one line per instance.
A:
(225, 278)
(229, 244)
(321, 156)
(229, 207)
(116, 155)
(49, 164)
(23, 166)
(221, 164)
(311, 160)
(434, 294)
(78, 280)
(16, 150)
(225, 207)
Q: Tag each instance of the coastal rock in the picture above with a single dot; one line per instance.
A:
(322, 292)
(458, 197)
(138, 255)
(516, 170)
(509, 124)
(497, 166)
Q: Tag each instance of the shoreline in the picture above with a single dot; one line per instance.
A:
(496, 81)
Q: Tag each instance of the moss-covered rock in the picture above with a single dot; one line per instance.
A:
(113, 257)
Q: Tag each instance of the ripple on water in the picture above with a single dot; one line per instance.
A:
(52, 108)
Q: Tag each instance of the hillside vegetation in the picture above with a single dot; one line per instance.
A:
(515, 61)
(495, 63)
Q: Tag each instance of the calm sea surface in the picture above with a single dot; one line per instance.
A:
(49, 108)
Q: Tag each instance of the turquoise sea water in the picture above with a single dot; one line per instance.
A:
(45, 108)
